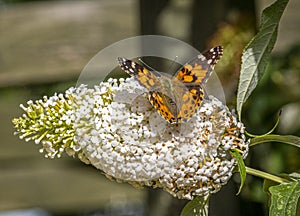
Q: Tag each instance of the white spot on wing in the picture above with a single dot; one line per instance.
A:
(201, 57)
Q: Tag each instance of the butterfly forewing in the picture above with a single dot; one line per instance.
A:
(145, 77)
(199, 69)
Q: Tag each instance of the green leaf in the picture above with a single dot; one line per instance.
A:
(242, 168)
(198, 206)
(284, 199)
(287, 179)
(288, 139)
(267, 184)
(256, 54)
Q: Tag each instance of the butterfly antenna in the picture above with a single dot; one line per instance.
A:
(152, 69)
(172, 64)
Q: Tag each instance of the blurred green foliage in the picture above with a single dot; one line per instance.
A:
(277, 90)
(279, 87)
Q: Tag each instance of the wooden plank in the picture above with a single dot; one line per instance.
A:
(52, 41)
(28, 180)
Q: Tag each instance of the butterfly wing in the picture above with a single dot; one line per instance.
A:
(151, 80)
(145, 77)
(164, 105)
(188, 100)
(193, 75)
(200, 68)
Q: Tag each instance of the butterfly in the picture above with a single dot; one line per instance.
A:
(178, 98)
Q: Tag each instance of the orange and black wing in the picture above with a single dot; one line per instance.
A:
(200, 68)
(164, 105)
(145, 77)
(189, 80)
(188, 100)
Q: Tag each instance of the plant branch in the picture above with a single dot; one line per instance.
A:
(265, 175)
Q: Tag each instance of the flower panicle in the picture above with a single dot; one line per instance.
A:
(48, 122)
(114, 127)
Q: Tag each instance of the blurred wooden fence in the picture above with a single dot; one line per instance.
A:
(48, 42)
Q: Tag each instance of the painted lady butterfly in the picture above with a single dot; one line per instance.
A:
(178, 98)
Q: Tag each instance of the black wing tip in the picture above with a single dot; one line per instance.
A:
(122, 60)
(124, 64)
(218, 50)
(213, 55)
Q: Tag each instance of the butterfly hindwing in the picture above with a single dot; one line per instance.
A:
(188, 100)
(164, 105)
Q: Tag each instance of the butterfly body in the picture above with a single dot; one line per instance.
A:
(177, 98)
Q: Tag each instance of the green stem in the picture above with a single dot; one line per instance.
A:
(288, 139)
(265, 175)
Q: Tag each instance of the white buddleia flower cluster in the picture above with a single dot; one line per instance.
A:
(114, 127)
(48, 122)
